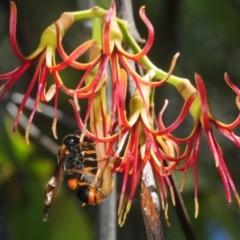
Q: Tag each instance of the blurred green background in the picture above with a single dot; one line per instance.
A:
(207, 35)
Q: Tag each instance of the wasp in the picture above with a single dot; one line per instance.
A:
(72, 155)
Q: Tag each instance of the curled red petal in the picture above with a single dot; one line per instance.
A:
(119, 81)
(149, 43)
(227, 176)
(83, 92)
(225, 183)
(122, 99)
(213, 145)
(234, 88)
(69, 60)
(137, 78)
(179, 119)
(228, 126)
(130, 149)
(91, 136)
(99, 75)
(12, 30)
(230, 135)
(136, 168)
(106, 29)
(204, 104)
(29, 90)
(55, 102)
(13, 76)
(231, 85)
(195, 158)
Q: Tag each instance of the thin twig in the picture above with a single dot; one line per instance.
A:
(107, 211)
(182, 213)
(35, 132)
(151, 205)
(125, 12)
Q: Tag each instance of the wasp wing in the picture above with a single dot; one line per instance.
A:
(52, 188)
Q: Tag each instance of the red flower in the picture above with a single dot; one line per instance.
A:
(227, 130)
(205, 121)
(45, 54)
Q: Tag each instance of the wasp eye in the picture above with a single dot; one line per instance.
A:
(83, 193)
(71, 141)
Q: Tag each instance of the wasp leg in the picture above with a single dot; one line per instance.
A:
(92, 159)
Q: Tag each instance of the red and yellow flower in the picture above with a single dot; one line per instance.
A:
(127, 133)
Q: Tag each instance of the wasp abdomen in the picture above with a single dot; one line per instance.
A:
(83, 193)
(90, 194)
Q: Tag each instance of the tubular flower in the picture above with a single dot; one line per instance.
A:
(144, 143)
(205, 121)
(138, 140)
(108, 51)
(45, 55)
(109, 46)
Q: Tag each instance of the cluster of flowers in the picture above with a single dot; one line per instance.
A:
(128, 132)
